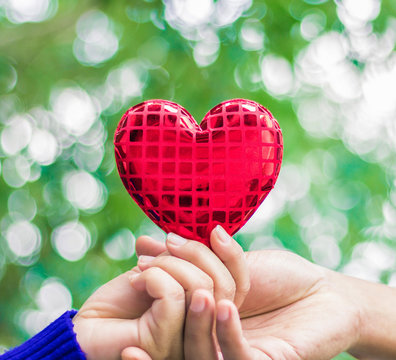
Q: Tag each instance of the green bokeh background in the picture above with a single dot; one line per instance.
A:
(349, 187)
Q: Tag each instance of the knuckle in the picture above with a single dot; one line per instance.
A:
(202, 282)
(195, 251)
(178, 293)
(159, 261)
(207, 283)
(244, 288)
(194, 257)
(153, 272)
(229, 292)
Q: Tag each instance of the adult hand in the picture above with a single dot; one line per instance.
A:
(297, 310)
(292, 311)
(138, 315)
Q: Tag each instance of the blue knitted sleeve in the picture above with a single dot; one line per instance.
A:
(57, 341)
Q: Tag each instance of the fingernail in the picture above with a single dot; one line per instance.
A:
(197, 302)
(222, 234)
(133, 277)
(145, 259)
(176, 239)
(137, 282)
(223, 313)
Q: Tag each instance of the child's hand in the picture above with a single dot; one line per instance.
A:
(140, 315)
(217, 275)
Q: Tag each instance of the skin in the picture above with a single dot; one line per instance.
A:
(126, 316)
(234, 305)
(141, 313)
(222, 272)
(292, 314)
(293, 310)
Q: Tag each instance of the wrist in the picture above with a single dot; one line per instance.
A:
(375, 317)
(77, 328)
(349, 289)
(342, 289)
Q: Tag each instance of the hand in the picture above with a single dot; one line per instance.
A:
(138, 315)
(294, 310)
(222, 272)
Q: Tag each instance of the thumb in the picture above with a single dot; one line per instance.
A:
(134, 353)
(161, 327)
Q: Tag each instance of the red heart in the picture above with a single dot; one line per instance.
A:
(187, 177)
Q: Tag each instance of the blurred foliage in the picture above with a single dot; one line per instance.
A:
(100, 57)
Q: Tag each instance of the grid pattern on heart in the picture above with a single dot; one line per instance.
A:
(188, 178)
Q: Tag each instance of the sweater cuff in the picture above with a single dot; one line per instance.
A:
(56, 342)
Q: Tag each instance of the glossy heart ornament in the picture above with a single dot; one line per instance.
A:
(187, 177)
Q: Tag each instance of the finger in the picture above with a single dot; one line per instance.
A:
(233, 257)
(186, 274)
(205, 259)
(134, 353)
(198, 331)
(229, 334)
(161, 327)
(162, 287)
(146, 245)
